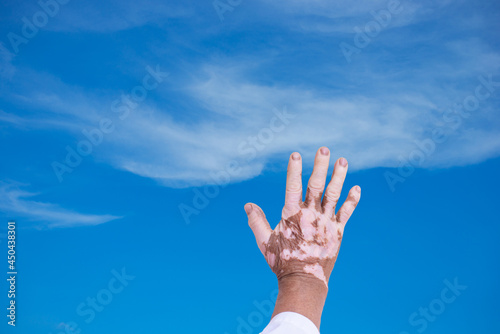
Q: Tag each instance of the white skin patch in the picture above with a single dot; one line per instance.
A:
(271, 258)
(317, 271)
(287, 232)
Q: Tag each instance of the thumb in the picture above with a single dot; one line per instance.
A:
(259, 224)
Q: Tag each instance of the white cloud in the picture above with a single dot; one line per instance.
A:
(19, 204)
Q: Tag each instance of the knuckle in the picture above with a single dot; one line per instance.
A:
(333, 194)
(330, 200)
(316, 186)
(294, 189)
(341, 217)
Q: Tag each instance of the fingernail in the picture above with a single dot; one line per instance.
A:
(296, 156)
(324, 151)
(248, 208)
(343, 162)
(358, 189)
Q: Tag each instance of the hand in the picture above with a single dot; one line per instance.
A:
(306, 242)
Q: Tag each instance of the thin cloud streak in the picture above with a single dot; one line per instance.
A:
(18, 203)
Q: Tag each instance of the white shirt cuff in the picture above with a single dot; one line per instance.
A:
(290, 323)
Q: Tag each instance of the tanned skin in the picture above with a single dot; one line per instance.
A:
(303, 248)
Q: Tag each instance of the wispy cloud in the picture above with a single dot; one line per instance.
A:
(22, 204)
(372, 128)
(340, 17)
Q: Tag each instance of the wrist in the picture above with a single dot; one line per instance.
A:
(303, 283)
(303, 294)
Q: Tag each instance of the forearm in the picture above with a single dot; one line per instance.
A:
(304, 295)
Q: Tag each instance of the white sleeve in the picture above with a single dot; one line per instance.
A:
(290, 323)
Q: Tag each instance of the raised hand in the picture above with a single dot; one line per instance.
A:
(306, 242)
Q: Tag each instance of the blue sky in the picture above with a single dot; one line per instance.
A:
(132, 134)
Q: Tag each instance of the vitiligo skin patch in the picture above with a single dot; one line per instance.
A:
(307, 240)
